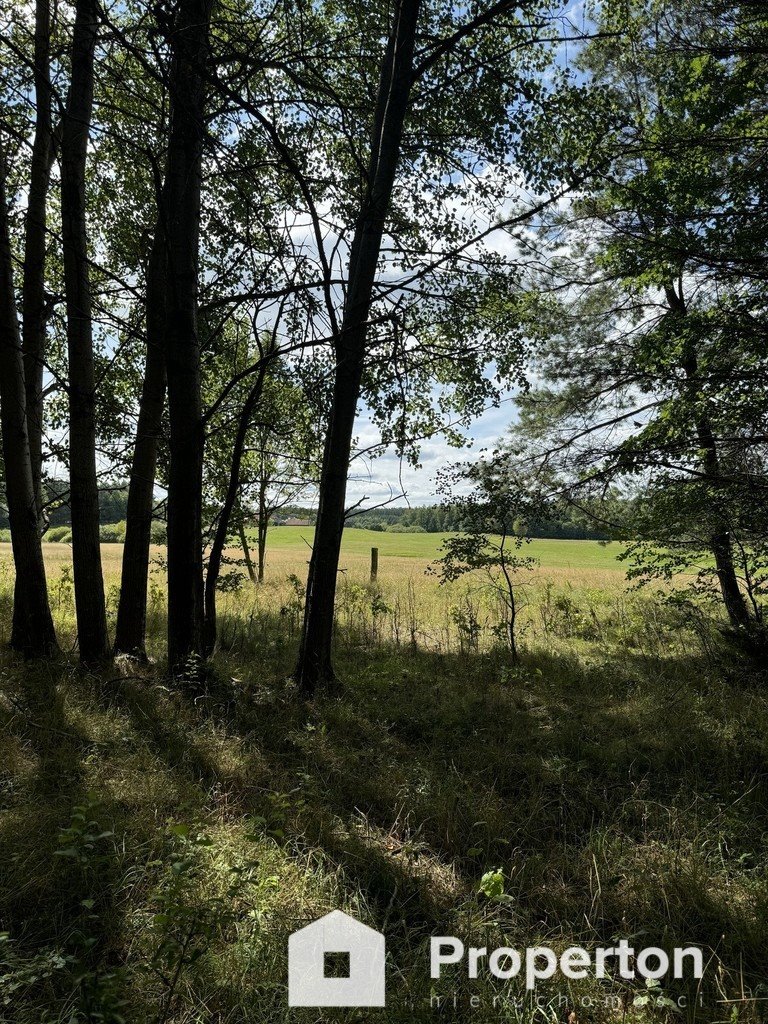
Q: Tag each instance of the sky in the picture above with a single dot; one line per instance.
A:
(376, 480)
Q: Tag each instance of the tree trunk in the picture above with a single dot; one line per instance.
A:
(733, 598)
(33, 289)
(131, 627)
(314, 663)
(222, 527)
(33, 626)
(263, 523)
(84, 492)
(246, 551)
(721, 544)
(262, 544)
(182, 348)
(33, 284)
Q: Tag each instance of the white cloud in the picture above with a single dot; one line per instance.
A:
(378, 479)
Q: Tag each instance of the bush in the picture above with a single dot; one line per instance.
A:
(112, 533)
(159, 532)
(59, 535)
(5, 536)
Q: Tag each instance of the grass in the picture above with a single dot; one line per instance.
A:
(552, 554)
(158, 843)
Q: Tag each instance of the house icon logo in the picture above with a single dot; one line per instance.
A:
(336, 961)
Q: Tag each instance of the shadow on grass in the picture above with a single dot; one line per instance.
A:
(622, 795)
(59, 878)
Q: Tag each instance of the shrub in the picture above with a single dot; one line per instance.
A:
(59, 535)
(112, 533)
(159, 532)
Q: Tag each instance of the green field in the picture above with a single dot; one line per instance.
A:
(577, 579)
(578, 585)
(552, 554)
(576, 590)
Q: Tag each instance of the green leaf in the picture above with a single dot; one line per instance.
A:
(492, 884)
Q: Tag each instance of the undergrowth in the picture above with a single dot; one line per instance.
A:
(160, 841)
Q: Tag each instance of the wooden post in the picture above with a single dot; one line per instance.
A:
(374, 564)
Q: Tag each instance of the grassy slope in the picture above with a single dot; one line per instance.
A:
(617, 778)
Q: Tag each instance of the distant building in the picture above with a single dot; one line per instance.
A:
(295, 522)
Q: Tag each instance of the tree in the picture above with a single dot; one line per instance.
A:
(314, 662)
(133, 151)
(261, 444)
(34, 302)
(494, 531)
(651, 340)
(189, 41)
(230, 497)
(425, 159)
(284, 454)
(130, 629)
(33, 626)
(84, 491)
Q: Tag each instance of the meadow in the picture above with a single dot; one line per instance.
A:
(159, 841)
(553, 554)
(409, 602)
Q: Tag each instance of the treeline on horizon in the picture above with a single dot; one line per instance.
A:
(438, 518)
(450, 518)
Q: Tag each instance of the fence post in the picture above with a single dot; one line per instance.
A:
(374, 564)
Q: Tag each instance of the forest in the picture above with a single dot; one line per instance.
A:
(383, 533)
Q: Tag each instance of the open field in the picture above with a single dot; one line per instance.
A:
(159, 840)
(580, 582)
(403, 554)
(292, 545)
(553, 554)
